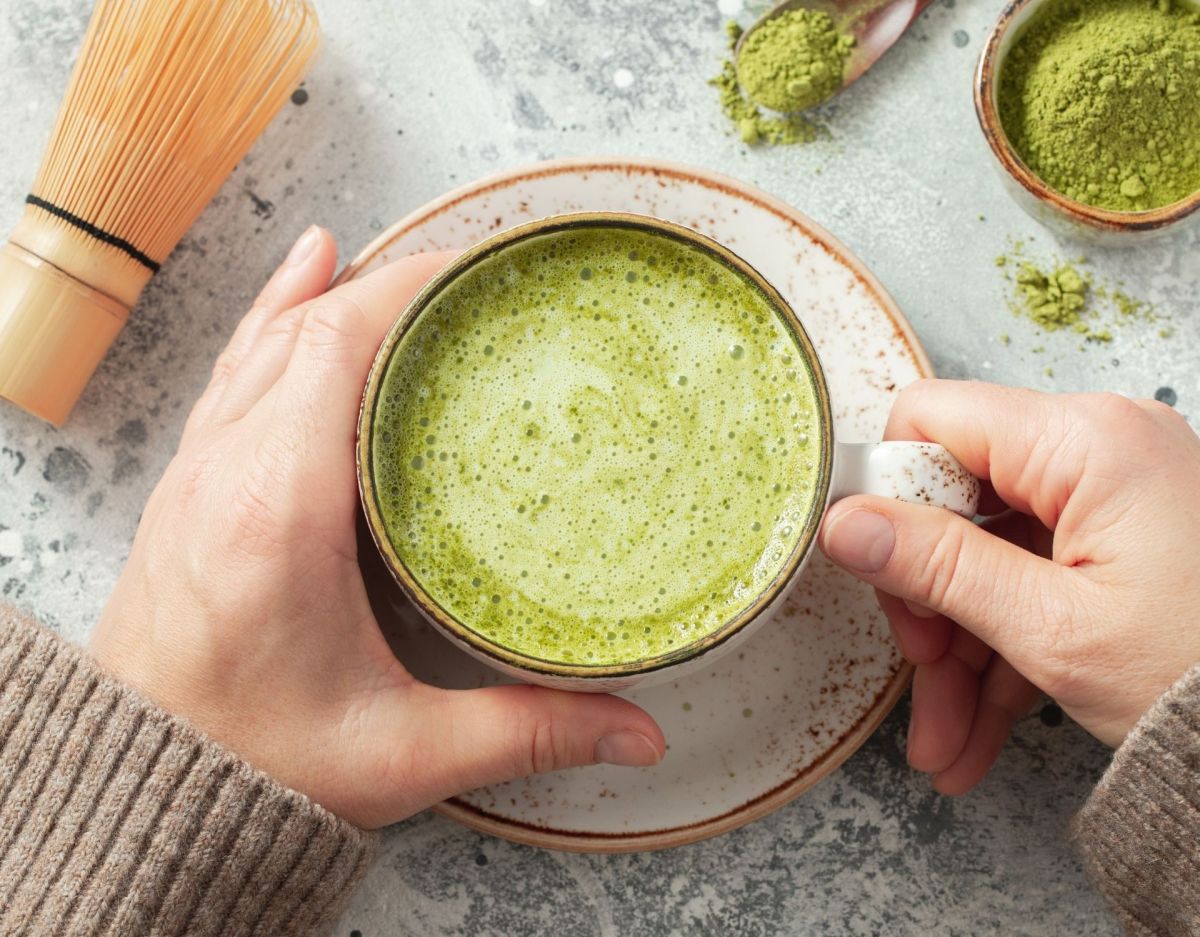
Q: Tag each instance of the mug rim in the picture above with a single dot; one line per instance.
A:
(987, 83)
(506, 657)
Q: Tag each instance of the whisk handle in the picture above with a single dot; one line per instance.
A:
(54, 330)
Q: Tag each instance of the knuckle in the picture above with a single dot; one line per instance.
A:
(1055, 454)
(541, 744)
(1112, 412)
(1104, 435)
(908, 400)
(195, 477)
(332, 321)
(1166, 415)
(938, 580)
(284, 326)
(235, 351)
(917, 388)
(543, 752)
(223, 368)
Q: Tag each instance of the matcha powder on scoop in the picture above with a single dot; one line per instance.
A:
(790, 63)
(1101, 98)
(794, 61)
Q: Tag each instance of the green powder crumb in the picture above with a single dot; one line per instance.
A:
(1049, 372)
(752, 125)
(1052, 299)
(1005, 339)
(1064, 296)
(1101, 98)
(1130, 307)
(794, 61)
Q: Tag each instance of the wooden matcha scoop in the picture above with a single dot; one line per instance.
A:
(875, 26)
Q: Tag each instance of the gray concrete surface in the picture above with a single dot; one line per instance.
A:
(410, 98)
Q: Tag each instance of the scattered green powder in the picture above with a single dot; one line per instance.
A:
(1102, 100)
(753, 126)
(1055, 299)
(794, 61)
(1065, 296)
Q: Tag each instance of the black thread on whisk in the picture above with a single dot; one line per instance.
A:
(98, 233)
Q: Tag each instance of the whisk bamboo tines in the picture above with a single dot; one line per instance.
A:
(165, 99)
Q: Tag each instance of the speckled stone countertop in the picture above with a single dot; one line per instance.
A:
(412, 98)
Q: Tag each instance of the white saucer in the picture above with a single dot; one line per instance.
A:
(765, 726)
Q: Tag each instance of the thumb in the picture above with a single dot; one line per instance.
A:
(1003, 594)
(486, 736)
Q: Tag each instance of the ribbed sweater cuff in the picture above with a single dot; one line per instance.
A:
(1139, 832)
(119, 818)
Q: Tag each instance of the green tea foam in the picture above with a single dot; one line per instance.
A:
(597, 445)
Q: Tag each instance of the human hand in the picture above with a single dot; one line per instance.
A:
(242, 607)
(1085, 590)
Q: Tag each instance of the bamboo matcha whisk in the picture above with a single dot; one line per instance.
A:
(165, 99)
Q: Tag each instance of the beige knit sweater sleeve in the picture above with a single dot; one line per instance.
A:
(1139, 832)
(118, 818)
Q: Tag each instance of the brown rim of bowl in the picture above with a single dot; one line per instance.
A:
(379, 367)
(986, 78)
(661, 169)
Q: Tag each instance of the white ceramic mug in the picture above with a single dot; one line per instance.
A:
(923, 473)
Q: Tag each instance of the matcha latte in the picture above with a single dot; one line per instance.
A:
(596, 445)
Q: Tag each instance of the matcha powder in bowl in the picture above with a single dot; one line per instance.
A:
(1101, 99)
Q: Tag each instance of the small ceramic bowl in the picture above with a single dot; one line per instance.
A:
(1057, 212)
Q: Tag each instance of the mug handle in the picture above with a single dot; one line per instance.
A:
(917, 472)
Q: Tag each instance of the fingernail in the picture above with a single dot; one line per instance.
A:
(861, 540)
(303, 247)
(631, 749)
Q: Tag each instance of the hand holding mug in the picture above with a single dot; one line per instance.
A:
(242, 607)
(255, 626)
(1081, 585)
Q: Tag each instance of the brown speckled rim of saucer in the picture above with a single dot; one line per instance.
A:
(854, 735)
(575, 221)
(987, 77)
